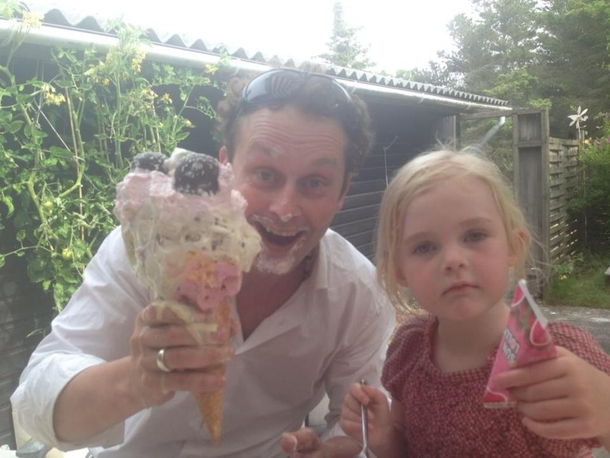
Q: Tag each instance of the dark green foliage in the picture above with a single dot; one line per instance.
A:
(68, 129)
(592, 208)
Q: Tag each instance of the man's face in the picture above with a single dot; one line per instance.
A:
(290, 167)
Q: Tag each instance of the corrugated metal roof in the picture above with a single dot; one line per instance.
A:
(57, 14)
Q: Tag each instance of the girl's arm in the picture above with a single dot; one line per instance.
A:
(395, 447)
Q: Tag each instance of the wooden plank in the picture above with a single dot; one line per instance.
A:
(13, 309)
(554, 141)
(356, 214)
(24, 333)
(378, 173)
(6, 423)
(14, 361)
(363, 238)
(363, 187)
(355, 227)
(367, 250)
(484, 115)
(362, 200)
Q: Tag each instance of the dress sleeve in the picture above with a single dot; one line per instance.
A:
(94, 327)
(581, 343)
(408, 342)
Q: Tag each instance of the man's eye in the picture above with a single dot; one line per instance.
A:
(315, 183)
(264, 175)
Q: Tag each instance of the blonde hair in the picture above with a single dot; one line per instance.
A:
(421, 174)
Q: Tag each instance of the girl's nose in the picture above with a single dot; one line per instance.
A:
(286, 203)
(454, 257)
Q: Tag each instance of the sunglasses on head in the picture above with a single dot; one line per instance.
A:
(279, 86)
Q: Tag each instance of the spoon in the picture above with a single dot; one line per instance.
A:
(365, 429)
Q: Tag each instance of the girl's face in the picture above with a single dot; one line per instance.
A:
(454, 253)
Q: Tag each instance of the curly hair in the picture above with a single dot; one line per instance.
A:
(311, 99)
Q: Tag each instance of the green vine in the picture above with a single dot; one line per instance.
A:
(68, 128)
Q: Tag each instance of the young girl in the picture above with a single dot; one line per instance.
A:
(450, 231)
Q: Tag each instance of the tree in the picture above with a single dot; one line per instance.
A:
(533, 53)
(345, 49)
(575, 39)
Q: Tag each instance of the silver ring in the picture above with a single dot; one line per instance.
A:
(160, 363)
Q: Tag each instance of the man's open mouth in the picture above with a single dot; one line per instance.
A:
(278, 238)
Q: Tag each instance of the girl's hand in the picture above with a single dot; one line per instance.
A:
(381, 427)
(562, 398)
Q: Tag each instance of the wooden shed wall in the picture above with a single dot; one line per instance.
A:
(24, 310)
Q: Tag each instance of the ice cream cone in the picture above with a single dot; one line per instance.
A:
(210, 402)
(187, 238)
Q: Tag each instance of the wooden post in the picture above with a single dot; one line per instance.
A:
(531, 186)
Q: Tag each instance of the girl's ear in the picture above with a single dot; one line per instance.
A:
(401, 279)
(518, 242)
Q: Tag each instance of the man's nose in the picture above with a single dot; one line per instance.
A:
(286, 203)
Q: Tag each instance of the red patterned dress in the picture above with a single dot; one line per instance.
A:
(444, 413)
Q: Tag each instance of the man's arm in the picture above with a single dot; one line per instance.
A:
(93, 401)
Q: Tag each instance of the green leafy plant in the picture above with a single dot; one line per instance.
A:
(68, 128)
(565, 269)
(592, 207)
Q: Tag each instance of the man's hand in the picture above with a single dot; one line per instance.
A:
(562, 398)
(191, 346)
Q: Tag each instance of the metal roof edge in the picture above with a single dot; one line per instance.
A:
(199, 53)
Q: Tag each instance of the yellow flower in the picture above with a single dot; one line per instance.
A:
(32, 20)
(106, 81)
(165, 98)
(47, 88)
(211, 68)
(54, 99)
(136, 65)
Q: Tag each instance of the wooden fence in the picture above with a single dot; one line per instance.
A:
(563, 181)
(545, 180)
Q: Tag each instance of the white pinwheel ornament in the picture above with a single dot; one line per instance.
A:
(578, 117)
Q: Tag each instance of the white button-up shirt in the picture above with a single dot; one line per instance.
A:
(332, 332)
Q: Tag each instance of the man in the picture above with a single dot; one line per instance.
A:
(311, 319)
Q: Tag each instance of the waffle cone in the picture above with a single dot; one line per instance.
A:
(210, 402)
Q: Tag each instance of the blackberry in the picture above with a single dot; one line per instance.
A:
(148, 161)
(197, 173)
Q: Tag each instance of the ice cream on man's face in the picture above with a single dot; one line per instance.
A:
(187, 238)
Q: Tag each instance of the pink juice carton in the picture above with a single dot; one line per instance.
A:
(525, 340)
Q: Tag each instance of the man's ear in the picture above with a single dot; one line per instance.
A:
(344, 188)
(222, 155)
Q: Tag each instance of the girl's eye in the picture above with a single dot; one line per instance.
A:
(476, 236)
(423, 248)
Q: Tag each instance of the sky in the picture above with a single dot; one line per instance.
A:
(400, 34)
